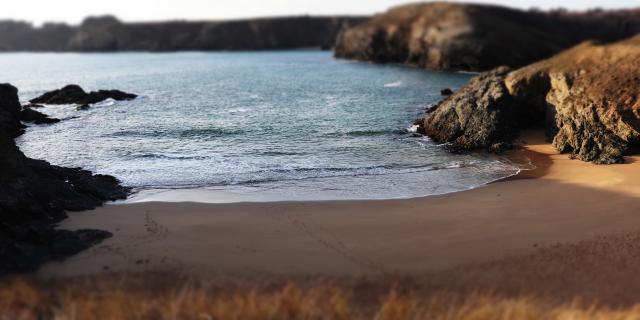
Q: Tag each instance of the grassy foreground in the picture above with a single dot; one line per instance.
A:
(131, 297)
(595, 279)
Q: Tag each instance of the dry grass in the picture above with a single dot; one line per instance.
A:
(128, 297)
(594, 279)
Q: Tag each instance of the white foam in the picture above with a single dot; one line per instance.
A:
(393, 84)
(413, 128)
(239, 110)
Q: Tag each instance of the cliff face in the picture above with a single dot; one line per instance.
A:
(109, 34)
(34, 195)
(587, 98)
(449, 36)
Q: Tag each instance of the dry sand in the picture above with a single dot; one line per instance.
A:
(562, 201)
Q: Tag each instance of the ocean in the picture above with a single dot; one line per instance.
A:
(231, 127)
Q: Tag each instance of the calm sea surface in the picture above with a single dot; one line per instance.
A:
(249, 126)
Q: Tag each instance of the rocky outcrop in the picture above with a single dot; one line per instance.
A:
(451, 36)
(35, 194)
(109, 34)
(587, 98)
(32, 116)
(74, 94)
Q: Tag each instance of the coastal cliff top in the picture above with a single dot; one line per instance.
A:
(476, 37)
(609, 73)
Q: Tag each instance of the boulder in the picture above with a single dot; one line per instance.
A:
(587, 99)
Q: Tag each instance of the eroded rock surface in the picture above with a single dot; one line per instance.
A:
(450, 36)
(587, 98)
(35, 194)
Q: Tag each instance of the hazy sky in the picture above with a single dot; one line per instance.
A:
(144, 10)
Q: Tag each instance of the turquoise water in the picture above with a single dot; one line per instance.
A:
(276, 125)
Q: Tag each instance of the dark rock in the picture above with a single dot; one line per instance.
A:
(109, 34)
(68, 95)
(480, 114)
(74, 94)
(30, 115)
(446, 92)
(587, 98)
(35, 194)
(32, 106)
(473, 37)
(10, 111)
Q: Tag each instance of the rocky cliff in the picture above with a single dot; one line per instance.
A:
(450, 36)
(34, 195)
(109, 34)
(587, 98)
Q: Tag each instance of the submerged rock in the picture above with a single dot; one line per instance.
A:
(74, 94)
(587, 98)
(473, 37)
(446, 92)
(35, 194)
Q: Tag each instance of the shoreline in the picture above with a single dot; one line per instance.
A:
(563, 201)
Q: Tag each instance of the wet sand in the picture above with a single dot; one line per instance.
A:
(562, 201)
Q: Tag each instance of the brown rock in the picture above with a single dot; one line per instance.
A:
(587, 98)
(450, 36)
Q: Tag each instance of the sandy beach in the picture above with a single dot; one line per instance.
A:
(562, 201)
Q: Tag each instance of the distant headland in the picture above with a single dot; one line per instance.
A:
(109, 34)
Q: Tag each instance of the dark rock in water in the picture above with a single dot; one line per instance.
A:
(101, 95)
(70, 94)
(74, 94)
(476, 37)
(35, 194)
(446, 92)
(30, 115)
(587, 98)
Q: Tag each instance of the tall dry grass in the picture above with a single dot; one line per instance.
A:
(134, 297)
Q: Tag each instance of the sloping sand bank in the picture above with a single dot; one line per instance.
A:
(561, 201)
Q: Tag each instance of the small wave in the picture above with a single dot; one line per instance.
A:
(281, 153)
(106, 103)
(393, 84)
(296, 174)
(167, 157)
(239, 110)
(184, 133)
(365, 133)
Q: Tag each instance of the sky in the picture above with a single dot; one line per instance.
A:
(73, 11)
